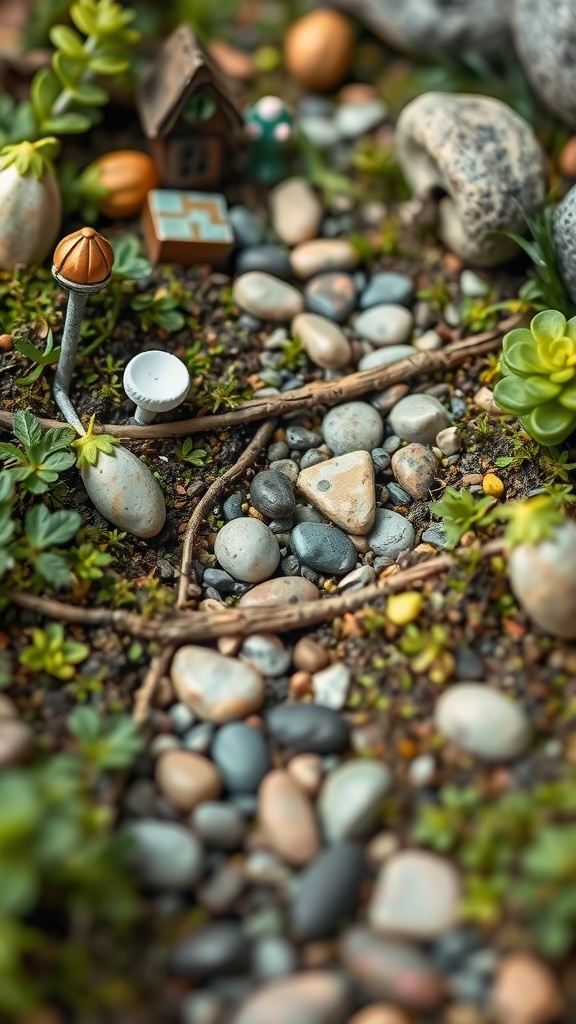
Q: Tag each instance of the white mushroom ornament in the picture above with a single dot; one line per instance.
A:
(479, 164)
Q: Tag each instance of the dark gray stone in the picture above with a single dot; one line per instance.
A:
(386, 287)
(246, 227)
(218, 824)
(301, 438)
(271, 259)
(323, 548)
(213, 949)
(242, 757)
(328, 891)
(219, 580)
(272, 494)
(232, 507)
(308, 728)
(332, 295)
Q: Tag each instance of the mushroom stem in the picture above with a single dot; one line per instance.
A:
(69, 346)
(143, 416)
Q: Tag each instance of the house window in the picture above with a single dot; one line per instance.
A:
(200, 107)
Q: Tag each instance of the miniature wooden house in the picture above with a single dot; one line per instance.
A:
(187, 113)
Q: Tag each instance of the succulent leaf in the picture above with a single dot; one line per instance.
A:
(539, 377)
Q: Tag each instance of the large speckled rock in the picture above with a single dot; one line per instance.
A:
(545, 38)
(436, 26)
(565, 236)
(483, 158)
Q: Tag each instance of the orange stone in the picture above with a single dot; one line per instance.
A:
(318, 49)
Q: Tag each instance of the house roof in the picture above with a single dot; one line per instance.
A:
(181, 67)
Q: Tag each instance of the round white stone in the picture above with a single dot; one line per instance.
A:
(482, 721)
(248, 550)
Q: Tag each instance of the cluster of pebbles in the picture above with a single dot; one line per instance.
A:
(256, 801)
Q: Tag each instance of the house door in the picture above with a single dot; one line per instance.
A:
(195, 161)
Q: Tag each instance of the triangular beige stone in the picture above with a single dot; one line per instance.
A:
(343, 490)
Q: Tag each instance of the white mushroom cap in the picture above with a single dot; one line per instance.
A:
(480, 161)
(156, 381)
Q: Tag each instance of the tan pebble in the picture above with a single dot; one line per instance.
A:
(453, 264)
(8, 708)
(306, 770)
(323, 341)
(16, 741)
(463, 1013)
(381, 847)
(287, 818)
(321, 255)
(285, 590)
(296, 212)
(567, 161)
(358, 92)
(309, 655)
(471, 479)
(381, 1013)
(187, 779)
(300, 684)
(360, 543)
(484, 399)
(229, 645)
(6, 343)
(318, 49)
(525, 992)
(232, 61)
(316, 954)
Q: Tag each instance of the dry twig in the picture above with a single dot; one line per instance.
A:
(317, 393)
(193, 627)
(143, 697)
(212, 495)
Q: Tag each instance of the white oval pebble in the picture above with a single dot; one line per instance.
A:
(482, 721)
(266, 297)
(247, 549)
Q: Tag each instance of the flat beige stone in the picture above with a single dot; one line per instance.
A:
(343, 490)
(323, 341)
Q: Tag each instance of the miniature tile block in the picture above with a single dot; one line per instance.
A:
(187, 227)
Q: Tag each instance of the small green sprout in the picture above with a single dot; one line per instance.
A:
(49, 652)
(461, 512)
(91, 444)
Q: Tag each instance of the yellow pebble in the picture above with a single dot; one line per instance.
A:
(404, 608)
(492, 485)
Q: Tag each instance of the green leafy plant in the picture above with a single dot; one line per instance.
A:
(27, 299)
(185, 452)
(545, 288)
(91, 444)
(129, 263)
(62, 865)
(535, 519)
(50, 652)
(107, 745)
(160, 309)
(514, 852)
(43, 359)
(539, 382)
(65, 99)
(460, 512)
(42, 457)
(28, 549)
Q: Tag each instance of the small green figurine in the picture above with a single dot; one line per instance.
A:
(268, 125)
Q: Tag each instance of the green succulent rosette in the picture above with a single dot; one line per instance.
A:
(539, 377)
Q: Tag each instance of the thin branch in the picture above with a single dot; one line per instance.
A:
(212, 495)
(312, 395)
(193, 627)
(143, 697)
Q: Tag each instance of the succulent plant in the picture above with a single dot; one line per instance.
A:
(539, 382)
